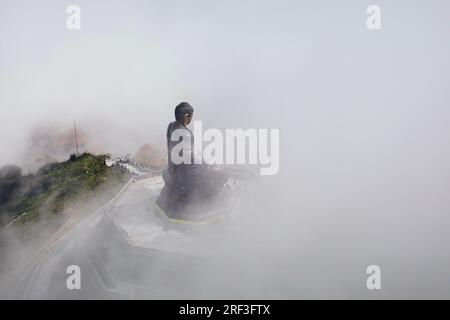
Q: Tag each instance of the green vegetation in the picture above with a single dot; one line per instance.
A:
(58, 187)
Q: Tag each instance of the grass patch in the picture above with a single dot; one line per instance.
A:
(59, 186)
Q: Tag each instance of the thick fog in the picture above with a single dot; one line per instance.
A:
(363, 115)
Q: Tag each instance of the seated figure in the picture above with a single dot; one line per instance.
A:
(188, 183)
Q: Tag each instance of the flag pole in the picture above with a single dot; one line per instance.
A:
(76, 138)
